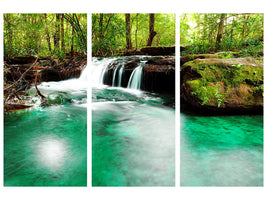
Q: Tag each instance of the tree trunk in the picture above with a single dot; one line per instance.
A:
(232, 29)
(220, 30)
(72, 39)
(62, 34)
(128, 31)
(152, 32)
(47, 34)
(9, 36)
(101, 26)
(56, 35)
(136, 30)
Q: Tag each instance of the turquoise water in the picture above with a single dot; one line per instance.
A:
(46, 147)
(221, 150)
(132, 139)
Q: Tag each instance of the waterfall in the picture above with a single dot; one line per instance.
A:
(74, 86)
(120, 75)
(98, 69)
(84, 74)
(136, 77)
(114, 76)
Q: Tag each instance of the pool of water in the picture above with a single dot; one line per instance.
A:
(132, 138)
(221, 150)
(47, 145)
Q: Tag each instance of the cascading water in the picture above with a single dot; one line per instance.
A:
(120, 75)
(120, 121)
(98, 70)
(84, 74)
(136, 77)
(114, 75)
(75, 86)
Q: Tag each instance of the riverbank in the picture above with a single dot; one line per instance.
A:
(23, 72)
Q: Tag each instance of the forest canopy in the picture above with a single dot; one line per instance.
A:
(113, 34)
(44, 34)
(217, 32)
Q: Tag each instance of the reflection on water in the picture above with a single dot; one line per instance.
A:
(52, 153)
(46, 147)
(221, 150)
(133, 139)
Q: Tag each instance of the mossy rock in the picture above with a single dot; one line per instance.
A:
(218, 55)
(229, 85)
(57, 99)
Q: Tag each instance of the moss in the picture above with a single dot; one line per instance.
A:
(217, 76)
(208, 94)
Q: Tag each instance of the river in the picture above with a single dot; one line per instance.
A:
(47, 145)
(221, 150)
(133, 138)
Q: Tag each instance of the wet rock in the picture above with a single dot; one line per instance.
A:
(159, 75)
(129, 63)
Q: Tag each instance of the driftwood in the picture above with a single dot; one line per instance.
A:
(13, 90)
(16, 82)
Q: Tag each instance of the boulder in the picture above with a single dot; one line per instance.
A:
(215, 85)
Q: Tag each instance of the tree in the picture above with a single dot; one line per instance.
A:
(220, 30)
(152, 32)
(56, 34)
(128, 31)
(62, 34)
(215, 32)
(136, 31)
(23, 31)
(9, 34)
(47, 34)
(112, 33)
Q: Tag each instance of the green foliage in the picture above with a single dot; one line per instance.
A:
(30, 34)
(208, 94)
(107, 36)
(109, 32)
(242, 32)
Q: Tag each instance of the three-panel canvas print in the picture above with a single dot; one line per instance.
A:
(147, 90)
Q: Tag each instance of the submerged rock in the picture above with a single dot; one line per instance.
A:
(232, 85)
